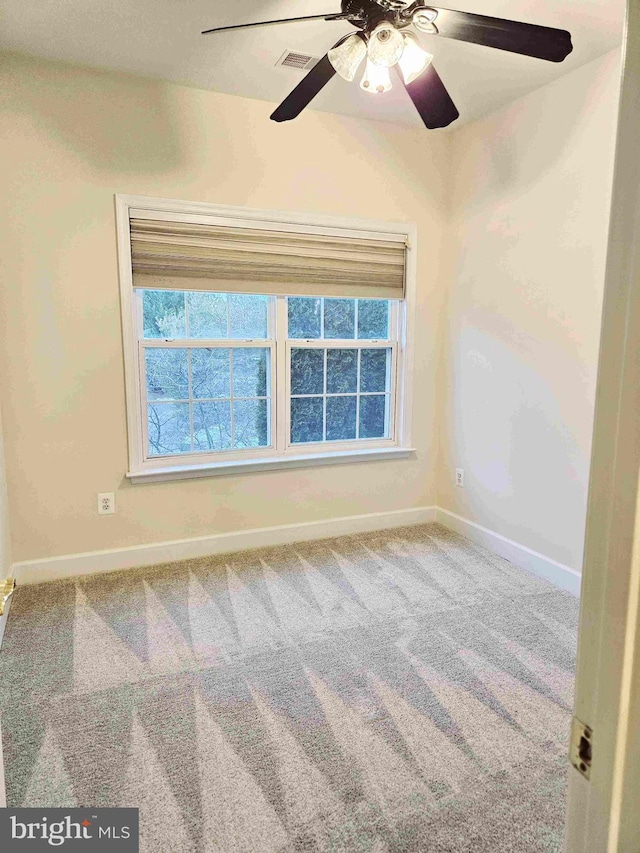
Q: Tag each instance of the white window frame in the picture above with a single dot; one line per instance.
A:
(195, 458)
(281, 453)
(327, 344)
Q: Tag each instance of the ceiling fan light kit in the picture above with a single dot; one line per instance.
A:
(385, 47)
(384, 40)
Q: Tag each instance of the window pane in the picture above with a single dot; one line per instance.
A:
(207, 315)
(307, 371)
(373, 369)
(307, 419)
(372, 416)
(169, 428)
(210, 375)
(248, 315)
(305, 317)
(373, 319)
(339, 318)
(212, 426)
(250, 368)
(167, 374)
(342, 371)
(251, 427)
(163, 314)
(341, 418)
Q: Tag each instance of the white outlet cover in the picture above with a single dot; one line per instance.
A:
(106, 503)
(460, 477)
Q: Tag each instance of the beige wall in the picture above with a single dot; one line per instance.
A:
(512, 213)
(71, 138)
(530, 207)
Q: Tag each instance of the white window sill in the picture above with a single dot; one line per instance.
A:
(248, 466)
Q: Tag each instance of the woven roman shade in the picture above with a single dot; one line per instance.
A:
(186, 256)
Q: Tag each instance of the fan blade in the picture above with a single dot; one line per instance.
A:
(431, 99)
(330, 16)
(527, 39)
(305, 91)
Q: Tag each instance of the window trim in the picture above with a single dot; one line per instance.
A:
(192, 465)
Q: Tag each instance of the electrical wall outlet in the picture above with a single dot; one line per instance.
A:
(106, 503)
(460, 477)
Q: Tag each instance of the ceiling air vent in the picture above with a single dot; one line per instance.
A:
(301, 61)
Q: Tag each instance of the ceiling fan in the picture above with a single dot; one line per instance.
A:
(386, 39)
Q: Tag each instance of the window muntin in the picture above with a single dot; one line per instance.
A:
(209, 371)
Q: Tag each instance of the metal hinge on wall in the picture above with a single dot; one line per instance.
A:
(6, 589)
(581, 750)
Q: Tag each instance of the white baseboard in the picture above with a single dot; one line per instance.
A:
(75, 565)
(4, 617)
(563, 576)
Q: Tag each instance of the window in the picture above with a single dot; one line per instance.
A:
(340, 377)
(226, 379)
(208, 371)
(207, 366)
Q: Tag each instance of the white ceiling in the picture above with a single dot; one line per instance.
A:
(161, 38)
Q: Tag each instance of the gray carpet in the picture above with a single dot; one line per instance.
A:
(396, 692)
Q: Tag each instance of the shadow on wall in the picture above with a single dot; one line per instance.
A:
(137, 134)
(517, 159)
(530, 467)
(122, 124)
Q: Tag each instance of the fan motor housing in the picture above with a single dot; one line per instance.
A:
(366, 14)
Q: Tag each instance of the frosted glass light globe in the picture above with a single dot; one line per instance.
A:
(376, 79)
(414, 59)
(347, 57)
(385, 45)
